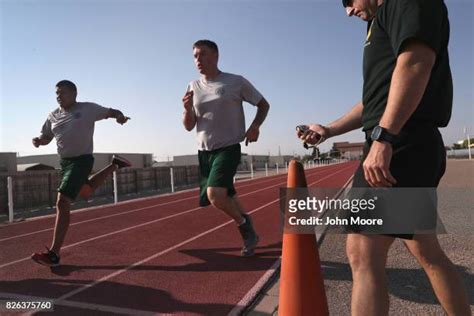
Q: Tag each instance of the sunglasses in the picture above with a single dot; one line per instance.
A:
(346, 3)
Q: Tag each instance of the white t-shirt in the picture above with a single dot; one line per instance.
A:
(219, 112)
(74, 128)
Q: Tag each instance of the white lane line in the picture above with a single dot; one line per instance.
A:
(121, 213)
(263, 281)
(115, 214)
(156, 255)
(109, 276)
(160, 196)
(143, 224)
(254, 291)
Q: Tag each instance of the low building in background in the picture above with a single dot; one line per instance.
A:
(33, 167)
(346, 150)
(185, 160)
(280, 160)
(257, 161)
(101, 160)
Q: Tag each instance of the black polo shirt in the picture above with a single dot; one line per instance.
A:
(395, 22)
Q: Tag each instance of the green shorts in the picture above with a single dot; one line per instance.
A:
(218, 168)
(75, 173)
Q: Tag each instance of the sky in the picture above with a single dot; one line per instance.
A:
(304, 56)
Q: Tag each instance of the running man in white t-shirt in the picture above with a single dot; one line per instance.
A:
(72, 125)
(213, 104)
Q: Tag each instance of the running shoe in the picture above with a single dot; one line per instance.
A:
(249, 236)
(49, 258)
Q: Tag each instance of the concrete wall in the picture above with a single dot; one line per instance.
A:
(101, 160)
(8, 162)
(280, 160)
(49, 160)
(38, 189)
(352, 155)
(186, 160)
(459, 153)
(258, 161)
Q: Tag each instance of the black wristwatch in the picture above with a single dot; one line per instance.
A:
(382, 135)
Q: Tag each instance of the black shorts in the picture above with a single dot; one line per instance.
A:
(418, 161)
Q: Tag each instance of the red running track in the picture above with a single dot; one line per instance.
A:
(160, 255)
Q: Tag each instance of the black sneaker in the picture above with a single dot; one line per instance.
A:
(49, 258)
(121, 162)
(249, 236)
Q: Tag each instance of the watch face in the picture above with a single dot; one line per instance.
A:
(376, 133)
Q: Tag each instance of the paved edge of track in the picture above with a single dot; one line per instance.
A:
(269, 277)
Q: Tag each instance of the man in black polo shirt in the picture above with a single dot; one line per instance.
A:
(407, 95)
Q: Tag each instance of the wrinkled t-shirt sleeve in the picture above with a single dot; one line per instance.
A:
(413, 19)
(249, 93)
(98, 112)
(46, 131)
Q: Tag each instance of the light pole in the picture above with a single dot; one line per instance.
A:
(469, 146)
(468, 143)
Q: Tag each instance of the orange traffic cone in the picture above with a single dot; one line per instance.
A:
(301, 283)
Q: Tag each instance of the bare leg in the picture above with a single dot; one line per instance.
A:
(367, 257)
(63, 207)
(446, 282)
(97, 180)
(237, 204)
(229, 205)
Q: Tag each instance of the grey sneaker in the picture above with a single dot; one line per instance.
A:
(249, 236)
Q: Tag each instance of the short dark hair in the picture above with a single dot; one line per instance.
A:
(67, 84)
(346, 3)
(207, 43)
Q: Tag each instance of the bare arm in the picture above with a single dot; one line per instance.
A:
(42, 140)
(262, 112)
(46, 135)
(350, 121)
(189, 117)
(409, 81)
(253, 132)
(118, 115)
